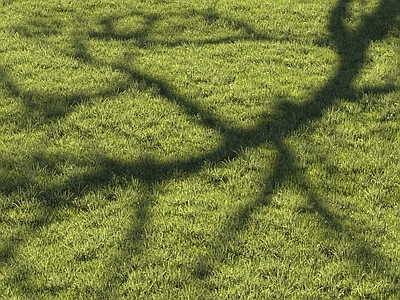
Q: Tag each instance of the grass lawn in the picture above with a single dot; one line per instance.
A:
(224, 149)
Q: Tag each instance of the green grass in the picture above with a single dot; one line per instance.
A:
(190, 150)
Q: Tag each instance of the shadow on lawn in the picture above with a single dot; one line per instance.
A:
(352, 48)
(142, 34)
(274, 128)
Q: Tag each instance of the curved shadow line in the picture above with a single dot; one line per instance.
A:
(141, 35)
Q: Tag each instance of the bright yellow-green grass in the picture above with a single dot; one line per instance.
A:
(170, 149)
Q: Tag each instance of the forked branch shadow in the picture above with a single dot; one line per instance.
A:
(351, 48)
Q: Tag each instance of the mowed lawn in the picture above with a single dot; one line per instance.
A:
(221, 149)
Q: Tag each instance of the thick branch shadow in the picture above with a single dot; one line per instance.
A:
(286, 118)
(352, 51)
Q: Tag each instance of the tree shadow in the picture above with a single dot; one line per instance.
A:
(351, 48)
(48, 106)
(285, 119)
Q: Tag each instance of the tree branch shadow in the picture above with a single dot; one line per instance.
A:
(286, 118)
(352, 51)
(142, 34)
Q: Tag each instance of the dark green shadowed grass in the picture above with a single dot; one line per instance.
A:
(182, 150)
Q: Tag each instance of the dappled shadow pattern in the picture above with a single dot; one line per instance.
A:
(283, 121)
